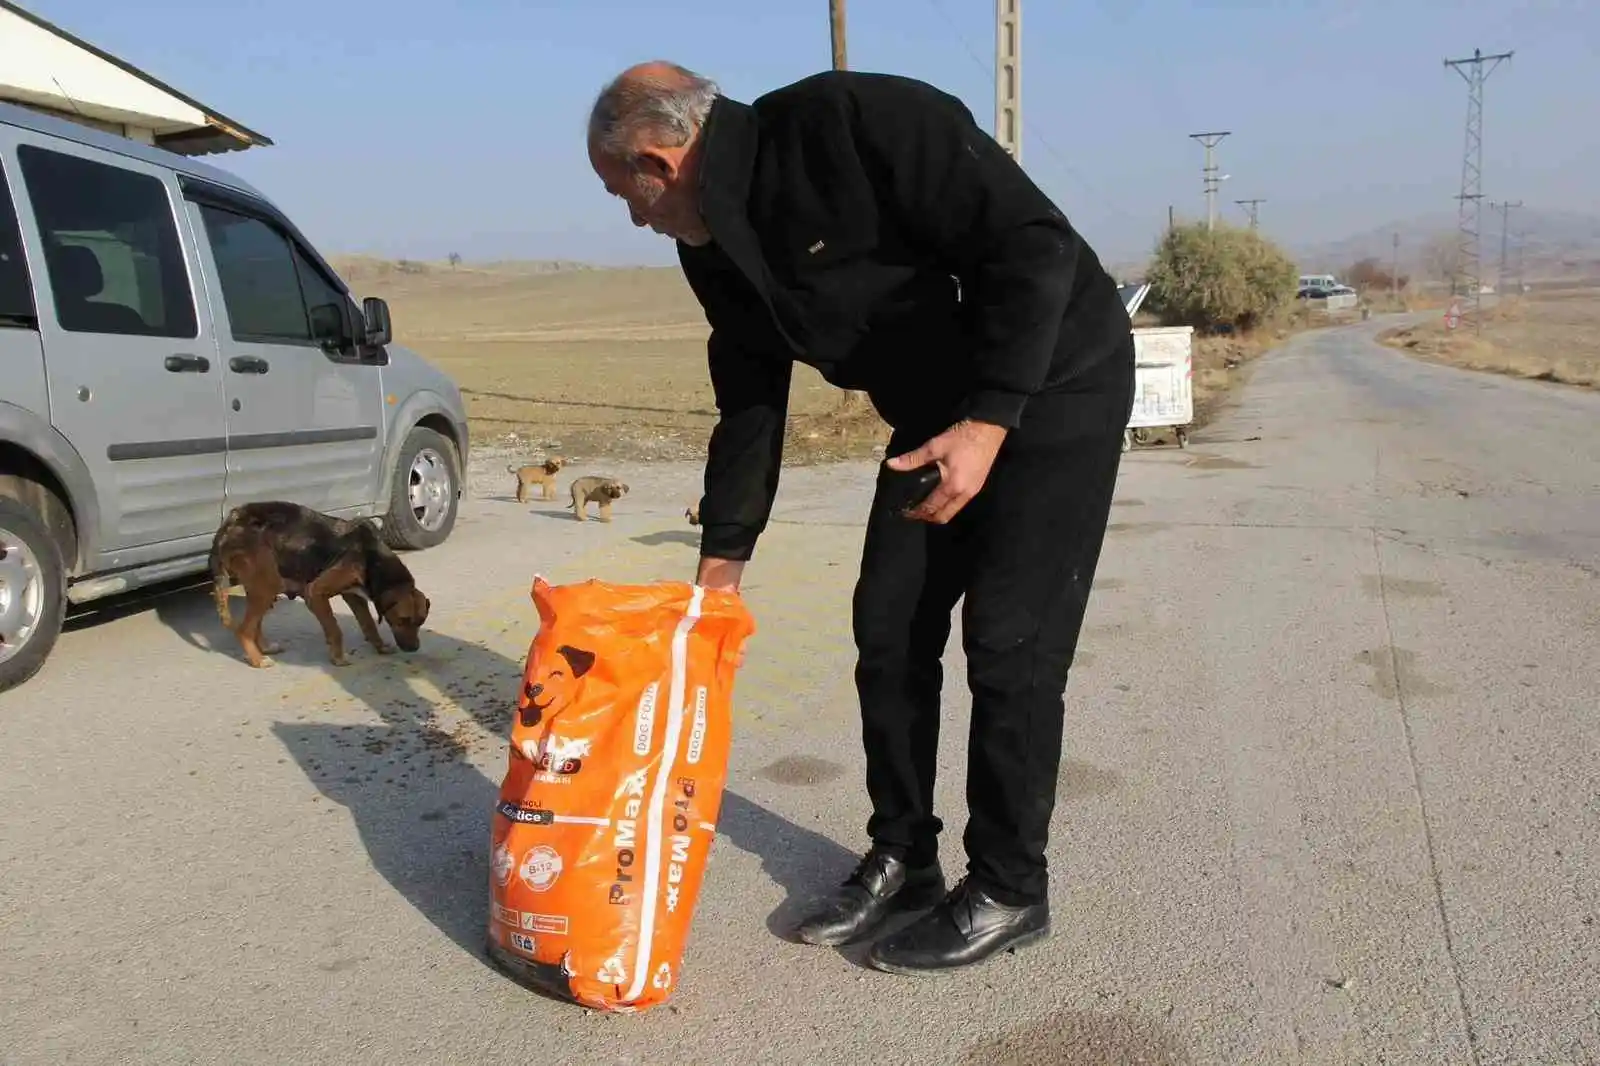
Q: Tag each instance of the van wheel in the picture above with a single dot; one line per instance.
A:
(426, 492)
(32, 593)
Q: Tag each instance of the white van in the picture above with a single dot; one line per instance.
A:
(171, 346)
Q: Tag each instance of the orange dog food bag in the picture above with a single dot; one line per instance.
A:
(608, 808)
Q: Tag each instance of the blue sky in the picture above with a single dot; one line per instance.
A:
(415, 129)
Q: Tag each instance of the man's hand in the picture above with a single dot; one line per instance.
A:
(964, 452)
(723, 576)
(720, 574)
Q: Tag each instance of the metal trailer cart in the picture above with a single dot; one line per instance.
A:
(1163, 393)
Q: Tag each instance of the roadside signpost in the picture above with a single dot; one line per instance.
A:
(1452, 317)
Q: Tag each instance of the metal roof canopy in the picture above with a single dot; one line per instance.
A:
(44, 67)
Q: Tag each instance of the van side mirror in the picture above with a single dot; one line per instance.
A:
(375, 316)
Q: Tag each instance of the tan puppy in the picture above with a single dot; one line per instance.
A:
(601, 490)
(693, 515)
(543, 475)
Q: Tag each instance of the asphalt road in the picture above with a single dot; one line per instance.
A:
(1331, 793)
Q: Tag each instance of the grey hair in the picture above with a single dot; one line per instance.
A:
(667, 111)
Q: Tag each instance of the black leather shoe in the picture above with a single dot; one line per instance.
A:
(965, 929)
(881, 885)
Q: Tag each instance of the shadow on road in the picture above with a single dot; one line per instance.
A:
(412, 780)
(419, 804)
(800, 861)
(688, 538)
(529, 502)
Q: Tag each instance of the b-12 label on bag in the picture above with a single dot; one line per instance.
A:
(540, 868)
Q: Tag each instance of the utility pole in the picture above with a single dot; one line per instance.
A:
(1475, 71)
(836, 31)
(1394, 269)
(853, 400)
(1008, 76)
(1504, 207)
(1519, 249)
(1211, 140)
(1252, 208)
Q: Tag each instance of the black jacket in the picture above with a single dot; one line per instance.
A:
(866, 225)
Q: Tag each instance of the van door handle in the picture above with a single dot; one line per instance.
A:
(247, 364)
(188, 364)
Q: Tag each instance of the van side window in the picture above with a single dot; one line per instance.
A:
(110, 246)
(260, 287)
(272, 292)
(329, 308)
(16, 295)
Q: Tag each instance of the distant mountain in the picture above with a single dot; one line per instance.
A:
(1554, 244)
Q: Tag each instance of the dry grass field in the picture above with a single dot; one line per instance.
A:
(1551, 336)
(611, 363)
(590, 363)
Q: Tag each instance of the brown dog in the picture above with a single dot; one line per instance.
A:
(601, 490)
(693, 515)
(543, 475)
(278, 547)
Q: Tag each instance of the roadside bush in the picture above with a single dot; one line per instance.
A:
(1368, 274)
(1215, 280)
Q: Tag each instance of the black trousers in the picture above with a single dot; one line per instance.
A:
(1023, 554)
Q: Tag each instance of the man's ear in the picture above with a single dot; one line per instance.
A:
(656, 164)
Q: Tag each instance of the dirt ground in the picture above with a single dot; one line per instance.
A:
(595, 363)
(1545, 336)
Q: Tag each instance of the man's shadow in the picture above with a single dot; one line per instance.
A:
(686, 537)
(419, 803)
(802, 862)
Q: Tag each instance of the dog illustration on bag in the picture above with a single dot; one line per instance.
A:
(550, 686)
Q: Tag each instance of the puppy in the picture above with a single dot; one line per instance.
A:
(543, 475)
(279, 547)
(693, 515)
(601, 490)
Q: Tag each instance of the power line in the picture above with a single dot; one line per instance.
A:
(1475, 71)
(1211, 140)
(1253, 209)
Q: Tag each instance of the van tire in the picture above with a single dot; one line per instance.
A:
(433, 453)
(20, 521)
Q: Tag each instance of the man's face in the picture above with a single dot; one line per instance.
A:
(659, 189)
